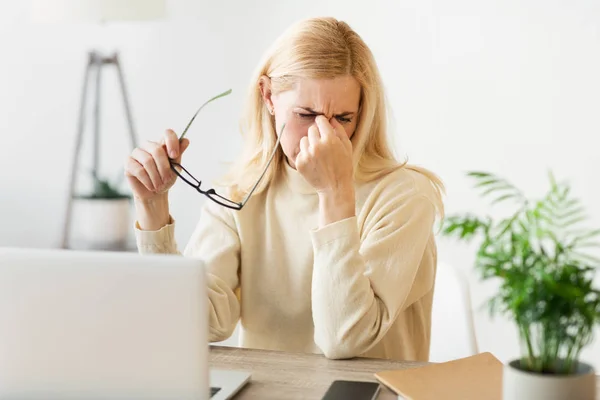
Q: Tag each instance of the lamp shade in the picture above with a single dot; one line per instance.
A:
(96, 10)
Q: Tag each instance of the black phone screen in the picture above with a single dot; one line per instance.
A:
(352, 390)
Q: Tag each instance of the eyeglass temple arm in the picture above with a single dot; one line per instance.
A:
(266, 168)
(199, 109)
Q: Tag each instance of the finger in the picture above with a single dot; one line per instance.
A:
(347, 144)
(185, 143)
(172, 142)
(313, 135)
(147, 161)
(133, 169)
(325, 128)
(302, 158)
(161, 160)
(304, 145)
(340, 132)
(338, 129)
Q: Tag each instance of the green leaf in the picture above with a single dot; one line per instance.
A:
(495, 189)
(572, 222)
(486, 182)
(505, 197)
(585, 258)
(570, 213)
(582, 234)
(565, 193)
(587, 245)
(494, 183)
(552, 179)
(479, 174)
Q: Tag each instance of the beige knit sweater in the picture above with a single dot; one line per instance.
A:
(360, 286)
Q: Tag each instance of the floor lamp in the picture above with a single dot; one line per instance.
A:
(98, 11)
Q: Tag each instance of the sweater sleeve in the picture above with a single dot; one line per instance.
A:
(161, 241)
(215, 240)
(360, 284)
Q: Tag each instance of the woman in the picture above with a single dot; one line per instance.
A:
(334, 251)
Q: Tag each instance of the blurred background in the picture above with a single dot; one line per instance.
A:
(505, 86)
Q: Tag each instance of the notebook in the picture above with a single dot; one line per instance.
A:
(471, 378)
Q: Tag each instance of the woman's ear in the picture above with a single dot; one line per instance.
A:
(265, 90)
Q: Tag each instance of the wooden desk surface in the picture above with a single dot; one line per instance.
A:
(277, 375)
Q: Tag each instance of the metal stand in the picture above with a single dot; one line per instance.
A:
(95, 64)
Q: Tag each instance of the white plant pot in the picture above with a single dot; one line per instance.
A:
(102, 224)
(518, 384)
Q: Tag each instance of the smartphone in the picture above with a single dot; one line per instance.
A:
(352, 390)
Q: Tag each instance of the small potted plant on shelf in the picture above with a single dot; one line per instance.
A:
(103, 216)
(540, 255)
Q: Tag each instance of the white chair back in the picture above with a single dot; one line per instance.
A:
(452, 331)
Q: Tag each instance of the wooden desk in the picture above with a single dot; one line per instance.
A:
(277, 375)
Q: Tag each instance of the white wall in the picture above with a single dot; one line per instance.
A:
(506, 86)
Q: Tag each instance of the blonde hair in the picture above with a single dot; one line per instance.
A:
(298, 53)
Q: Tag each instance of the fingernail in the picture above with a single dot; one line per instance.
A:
(173, 154)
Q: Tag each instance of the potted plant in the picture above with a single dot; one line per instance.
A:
(539, 254)
(103, 216)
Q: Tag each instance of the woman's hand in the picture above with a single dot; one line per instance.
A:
(325, 161)
(148, 169)
(325, 158)
(150, 177)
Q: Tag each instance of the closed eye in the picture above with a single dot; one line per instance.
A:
(343, 120)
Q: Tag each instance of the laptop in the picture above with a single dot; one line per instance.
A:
(106, 325)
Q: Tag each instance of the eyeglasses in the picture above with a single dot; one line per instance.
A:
(188, 178)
